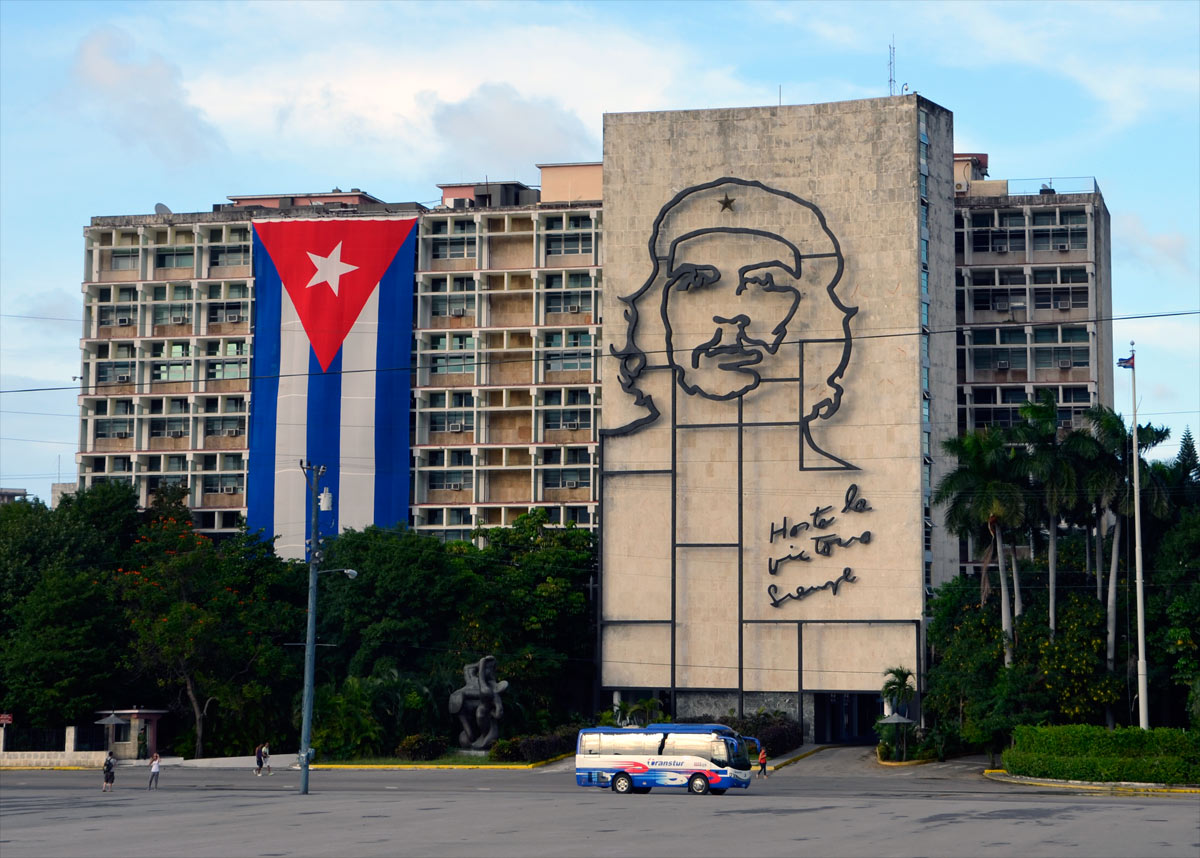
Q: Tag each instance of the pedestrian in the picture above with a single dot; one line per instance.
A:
(762, 762)
(110, 772)
(266, 758)
(154, 761)
(258, 759)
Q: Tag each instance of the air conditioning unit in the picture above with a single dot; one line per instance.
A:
(1001, 305)
(228, 490)
(120, 434)
(1062, 248)
(1001, 364)
(960, 187)
(572, 425)
(179, 320)
(232, 433)
(573, 308)
(233, 317)
(122, 321)
(571, 484)
(454, 427)
(1064, 304)
(458, 311)
(1000, 248)
(122, 379)
(454, 487)
(1066, 424)
(176, 433)
(1064, 364)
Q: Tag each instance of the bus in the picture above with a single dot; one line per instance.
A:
(703, 758)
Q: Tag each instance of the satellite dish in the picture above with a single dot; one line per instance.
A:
(160, 209)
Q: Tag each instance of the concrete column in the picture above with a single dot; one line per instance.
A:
(68, 740)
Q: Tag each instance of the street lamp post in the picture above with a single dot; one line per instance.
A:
(320, 501)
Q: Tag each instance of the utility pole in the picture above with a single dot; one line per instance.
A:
(1143, 690)
(312, 476)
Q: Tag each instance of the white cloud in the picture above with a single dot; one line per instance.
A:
(143, 103)
(1163, 252)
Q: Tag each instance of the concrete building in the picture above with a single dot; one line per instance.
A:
(1033, 299)
(772, 427)
(506, 392)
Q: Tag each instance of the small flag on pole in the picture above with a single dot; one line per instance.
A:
(1125, 363)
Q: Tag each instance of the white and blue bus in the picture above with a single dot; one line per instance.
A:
(703, 758)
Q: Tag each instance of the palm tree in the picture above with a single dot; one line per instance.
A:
(1111, 485)
(1050, 458)
(898, 688)
(984, 492)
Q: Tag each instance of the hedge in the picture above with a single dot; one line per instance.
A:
(1083, 753)
(420, 747)
(534, 749)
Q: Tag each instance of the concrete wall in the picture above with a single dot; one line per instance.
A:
(734, 513)
(568, 183)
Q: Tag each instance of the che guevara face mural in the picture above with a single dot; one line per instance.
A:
(742, 289)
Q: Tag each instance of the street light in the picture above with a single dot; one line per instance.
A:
(320, 501)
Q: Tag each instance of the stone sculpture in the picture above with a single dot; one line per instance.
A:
(477, 704)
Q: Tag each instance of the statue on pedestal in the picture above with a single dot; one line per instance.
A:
(477, 704)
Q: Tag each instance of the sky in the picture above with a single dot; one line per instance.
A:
(107, 108)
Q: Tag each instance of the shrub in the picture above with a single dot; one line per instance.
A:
(505, 751)
(422, 746)
(534, 749)
(1079, 752)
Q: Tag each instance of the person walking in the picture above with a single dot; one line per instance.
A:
(258, 760)
(110, 772)
(154, 762)
(266, 758)
(762, 762)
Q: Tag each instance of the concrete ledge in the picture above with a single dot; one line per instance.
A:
(772, 767)
(51, 759)
(1113, 788)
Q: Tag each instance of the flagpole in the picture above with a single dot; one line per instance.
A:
(1143, 693)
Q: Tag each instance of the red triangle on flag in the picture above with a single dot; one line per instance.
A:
(329, 269)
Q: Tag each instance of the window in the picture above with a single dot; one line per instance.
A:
(228, 312)
(172, 314)
(924, 251)
(924, 282)
(464, 226)
(557, 245)
(1012, 219)
(578, 456)
(922, 184)
(579, 222)
(453, 248)
(579, 397)
(450, 480)
(1074, 335)
(171, 371)
(216, 369)
(235, 254)
(114, 428)
(924, 216)
(1063, 357)
(1012, 336)
(1078, 216)
(450, 421)
(568, 303)
(452, 305)
(460, 458)
(567, 418)
(124, 260)
(175, 257)
(438, 227)
(554, 222)
(552, 456)
(566, 478)
(228, 426)
(451, 364)
(169, 427)
(227, 484)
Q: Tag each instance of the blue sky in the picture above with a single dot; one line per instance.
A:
(109, 108)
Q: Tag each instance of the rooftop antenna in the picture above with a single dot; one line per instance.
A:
(160, 209)
(892, 66)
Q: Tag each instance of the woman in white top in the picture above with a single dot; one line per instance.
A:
(154, 762)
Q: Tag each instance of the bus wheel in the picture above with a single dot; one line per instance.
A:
(622, 784)
(698, 785)
(717, 791)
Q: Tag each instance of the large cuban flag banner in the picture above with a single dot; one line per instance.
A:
(330, 381)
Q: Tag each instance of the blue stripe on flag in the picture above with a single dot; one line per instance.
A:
(392, 388)
(264, 394)
(325, 433)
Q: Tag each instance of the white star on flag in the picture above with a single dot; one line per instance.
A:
(329, 268)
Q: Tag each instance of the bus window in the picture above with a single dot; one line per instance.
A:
(687, 744)
(718, 753)
(589, 743)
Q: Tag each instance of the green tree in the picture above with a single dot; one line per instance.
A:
(206, 621)
(1052, 460)
(983, 494)
(1173, 612)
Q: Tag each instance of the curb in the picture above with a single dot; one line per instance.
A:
(1115, 788)
(427, 766)
(895, 764)
(774, 767)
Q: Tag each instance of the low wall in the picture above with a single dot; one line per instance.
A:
(82, 759)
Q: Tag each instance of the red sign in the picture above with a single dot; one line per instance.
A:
(5, 718)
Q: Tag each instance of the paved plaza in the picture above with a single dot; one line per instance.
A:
(835, 803)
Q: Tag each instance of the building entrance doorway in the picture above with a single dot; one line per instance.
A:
(846, 719)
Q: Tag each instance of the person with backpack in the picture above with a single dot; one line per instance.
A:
(110, 772)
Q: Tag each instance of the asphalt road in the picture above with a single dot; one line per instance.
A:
(836, 803)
